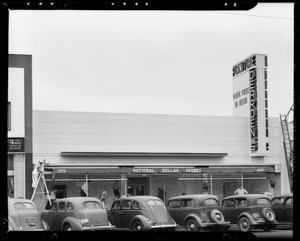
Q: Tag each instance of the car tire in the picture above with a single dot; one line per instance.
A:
(268, 214)
(67, 227)
(192, 226)
(216, 216)
(137, 226)
(244, 224)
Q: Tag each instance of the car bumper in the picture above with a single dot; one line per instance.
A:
(33, 229)
(163, 226)
(216, 225)
(262, 221)
(95, 228)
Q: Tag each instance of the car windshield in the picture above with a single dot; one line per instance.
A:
(262, 201)
(211, 202)
(24, 206)
(91, 204)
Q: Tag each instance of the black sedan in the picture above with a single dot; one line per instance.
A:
(196, 212)
(249, 211)
(282, 206)
(140, 213)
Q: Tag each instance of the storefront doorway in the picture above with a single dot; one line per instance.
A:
(137, 186)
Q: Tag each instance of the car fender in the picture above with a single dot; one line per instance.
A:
(146, 221)
(12, 226)
(195, 217)
(75, 223)
(247, 215)
(45, 225)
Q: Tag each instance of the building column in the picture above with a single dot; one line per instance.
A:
(123, 190)
(19, 175)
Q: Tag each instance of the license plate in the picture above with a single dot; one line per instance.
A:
(30, 220)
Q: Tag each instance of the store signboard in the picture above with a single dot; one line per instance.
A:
(15, 144)
(166, 170)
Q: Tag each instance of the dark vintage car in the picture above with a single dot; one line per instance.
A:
(76, 213)
(140, 213)
(196, 212)
(282, 206)
(24, 216)
(249, 211)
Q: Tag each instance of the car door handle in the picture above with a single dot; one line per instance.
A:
(120, 212)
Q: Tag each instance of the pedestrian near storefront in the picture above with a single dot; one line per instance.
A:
(84, 189)
(161, 194)
(240, 190)
(116, 189)
(103, 199)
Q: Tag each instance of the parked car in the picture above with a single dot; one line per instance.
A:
(24, 216)
(76, 213)
(249, 211)
(139, 213)
(196, 212)
(282, 206)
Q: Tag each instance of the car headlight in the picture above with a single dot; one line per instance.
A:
(255, 216)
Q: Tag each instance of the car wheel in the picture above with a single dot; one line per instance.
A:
(192, 226)
(216, 216)
(67, 227)
(268, 214)
(137, 226)
(267, 228)
(244, 224)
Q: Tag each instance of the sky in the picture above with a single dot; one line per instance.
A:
(152, 62)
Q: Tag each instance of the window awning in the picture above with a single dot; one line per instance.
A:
(143, 154)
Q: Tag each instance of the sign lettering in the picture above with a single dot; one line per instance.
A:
(15, 144)
(253, 110)
(246, 64)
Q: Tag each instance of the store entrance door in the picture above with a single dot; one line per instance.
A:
(137, 186)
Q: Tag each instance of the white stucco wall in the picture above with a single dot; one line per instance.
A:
(55, 132)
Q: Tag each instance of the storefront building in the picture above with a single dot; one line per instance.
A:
(177, 154)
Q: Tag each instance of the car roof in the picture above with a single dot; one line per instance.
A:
(142, 198)
(195, 196)
(283, 195)
(76, 199)
(247, 196)
(16, 200)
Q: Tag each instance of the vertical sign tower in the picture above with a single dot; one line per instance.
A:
(250, 99)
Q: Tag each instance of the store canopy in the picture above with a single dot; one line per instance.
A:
(143, 154)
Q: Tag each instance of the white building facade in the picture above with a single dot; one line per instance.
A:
(179, 154)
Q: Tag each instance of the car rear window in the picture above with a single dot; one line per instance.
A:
(262, 201)
(211, 202)
(91, 204)
(289, 201)
(277, 201)
(155, 202)
(24, 206)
